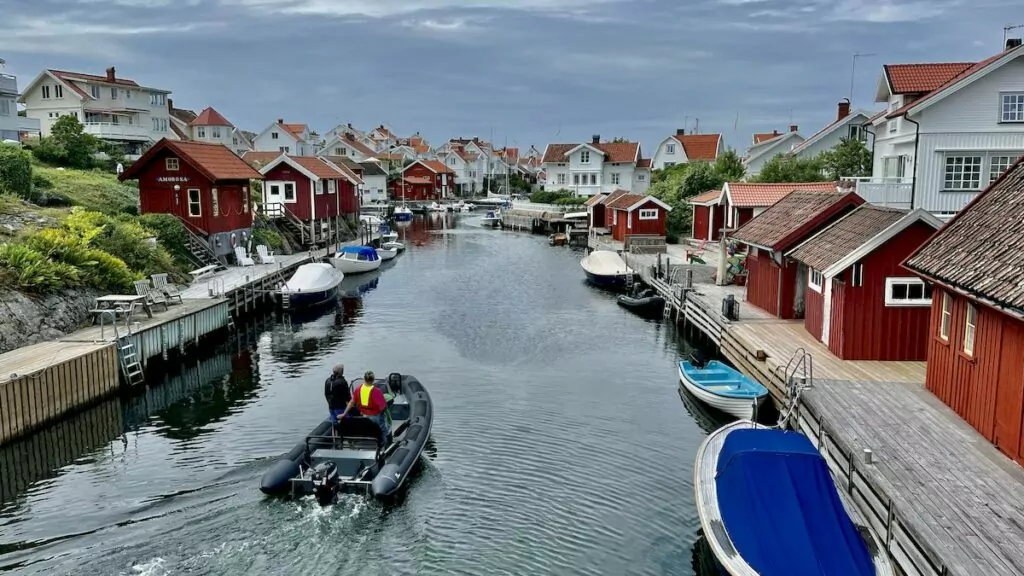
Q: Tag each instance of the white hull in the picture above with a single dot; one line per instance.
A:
(355, 266)
(605, 263)
(386, 254)
(396, 246)
(389, 237)
(738, 407)
(489, 221)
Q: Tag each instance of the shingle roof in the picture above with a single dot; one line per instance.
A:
(624, 201)
(921, 78)
(345, 161)
(350, 174)
(755, 195)
(846, 235)
(436, 166)
(614, 151)
(317, 166)
(372, 169)
(793, 218)
(700, 146)
(980, 250)
(215, 161)
(706, 197)
(764, 137)
(615, 195)
(417, 179)
(183, 114)
(210, 117)
(594, 200)
(643, 163)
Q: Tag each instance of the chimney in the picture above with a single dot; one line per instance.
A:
(596, 139)
(680, 131)
(280, 120)
(110, 74)
(1012, 43)
(775, 133)
(792, 127)
(170, 104)
(844, 109)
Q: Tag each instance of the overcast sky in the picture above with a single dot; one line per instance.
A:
(534, 71)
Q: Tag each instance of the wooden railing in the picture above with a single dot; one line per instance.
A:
(278, 211)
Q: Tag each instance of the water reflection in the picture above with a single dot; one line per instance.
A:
(704, 561)
(301, 336)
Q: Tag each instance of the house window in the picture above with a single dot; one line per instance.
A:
(947, 317)
(892, 126)
(234, 140)
(670, 149)
(216, 131)
(332, 186)
(649, 214)
(58, 91)
(857, 275)
(894, 166)
(157, 99)
(289, 192)
(669, 164)
(640, 177)
(113, 93)
(1013, 107)
(5, 107)
(963, 173)
(46, 92)
(615, 178)
(171, 163)
(245, 199)
(561, 178)
(94, 90)
(215, 201)
(814, 279)
(195, 207)
(907, 292)
(200, 132)
(998, 165)
(576, 179)
(585, 157)
(856, 132)
(284, 149)
(320, 187)
(970, 328)
(128, 94)
(593, 179)
(273, 135)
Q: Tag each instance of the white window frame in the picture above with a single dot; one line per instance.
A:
(113, 93)
(58, 91)
(332, 186)
(954, 181)
(215, 201)
(815, 279)
(670, 149)
(273, 135)
(593, 179)
(320, 187)
(970, 329)
(562, 179)
(172, 164)
(640, 177)
(284, 193)
(648, 214)
(5, 107)
(857, 275)
(615, 178)
(200, 132)
(95, 91)
(945, 317)
(890, 301)
(576, 179)
(198, 203)
(46, 92)
(585, 157)
(1011, 107)
(1005, 161)
(893, 128)
(245, 199)
(215, 132)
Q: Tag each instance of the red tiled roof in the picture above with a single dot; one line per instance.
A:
(615, 195)
(643, 163)
(417, 180)
(700, 146)
(764, 137)
(317, 166)
(259, 159)
(793, 218)
(851, 232)
(210, 117)
(614, 151)
(295, 129)
(706, 197)
(979, 251)
(755, 195)
(624, 201)
(68, 77)
(215, 161)
(964, 74)
(556, 152)
(921, 78)
(594, 200)
(436, 166)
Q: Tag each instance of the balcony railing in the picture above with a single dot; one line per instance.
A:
(30, 125)
(891, 192)
(116, 131)
(8, 84)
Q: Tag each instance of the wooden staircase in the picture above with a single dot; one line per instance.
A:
(287, 221)
(200, 252)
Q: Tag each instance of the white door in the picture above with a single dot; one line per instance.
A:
(273, 194)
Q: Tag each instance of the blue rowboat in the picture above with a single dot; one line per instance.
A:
(722, 387)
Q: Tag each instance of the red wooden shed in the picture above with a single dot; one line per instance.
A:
(860, 301)
(976, 344)
(637, 214)
(424, 180)
(775, 283)
(708, 216)
(205, 185)
(741, 201)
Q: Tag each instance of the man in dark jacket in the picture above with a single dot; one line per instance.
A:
(337, 392)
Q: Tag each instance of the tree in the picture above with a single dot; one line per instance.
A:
(618, 140)
(68, 144)
(730, 167)
(15, 171)
(848, 159)
(676, 185)
(790, 168)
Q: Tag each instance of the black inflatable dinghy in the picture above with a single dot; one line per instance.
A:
(348, 457)
(645, 302)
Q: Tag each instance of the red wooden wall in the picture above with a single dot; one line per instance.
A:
(411, 191)
(598, 217)
(874, 331)
(814, 310)
(986, 390)
(655, 227)
(285, 173)
(701, 216)
(837, 323)
(349, 197)
(718, 213)
(762, 281)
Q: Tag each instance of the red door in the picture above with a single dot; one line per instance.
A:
(1010, 391)
(836, 316)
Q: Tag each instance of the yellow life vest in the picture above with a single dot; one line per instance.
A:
(364, 395)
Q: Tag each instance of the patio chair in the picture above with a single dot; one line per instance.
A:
(169, 290)
(243, 258)
(265, 254)
(142, 289)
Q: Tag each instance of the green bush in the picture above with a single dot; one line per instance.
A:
(25, 268)
(570, 201)
(268, 237)
(94, 267)
(41, 182)
(15, 171)
(171, 234)
(93, 190)
(550, 196)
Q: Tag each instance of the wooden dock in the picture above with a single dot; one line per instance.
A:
(247, 288)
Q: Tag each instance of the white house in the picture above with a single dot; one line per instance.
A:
(375, 182)
(12, 125)
(681, 148)
(207, 126)
(949, 130)
(848, 124)
(768, 146)
(111, 108)
(382, 138)
(596, 167)
(347, 144)
(293, 139)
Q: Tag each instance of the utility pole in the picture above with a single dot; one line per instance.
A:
(1006, 31)
(853, 70)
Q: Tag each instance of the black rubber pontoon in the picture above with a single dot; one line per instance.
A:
(348, 457)
(644, 302)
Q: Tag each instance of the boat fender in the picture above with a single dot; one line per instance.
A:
(277, 480)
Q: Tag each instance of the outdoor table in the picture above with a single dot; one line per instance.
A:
(124, 301)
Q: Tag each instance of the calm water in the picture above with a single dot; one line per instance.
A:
(560, 444)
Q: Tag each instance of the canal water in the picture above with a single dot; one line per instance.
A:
(560, 443)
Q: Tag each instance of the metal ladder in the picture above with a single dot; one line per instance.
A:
(128, 359)
(798, 375)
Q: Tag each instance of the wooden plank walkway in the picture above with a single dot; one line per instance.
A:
(174, 312)
(238, 276)
(960, 499)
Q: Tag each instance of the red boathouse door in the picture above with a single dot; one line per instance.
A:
(1010, 392)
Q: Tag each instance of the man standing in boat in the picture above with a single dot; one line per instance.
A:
(372, 404)
(337, 392)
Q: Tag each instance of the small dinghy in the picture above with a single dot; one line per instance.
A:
(356, 259)
(311, 284)
(644, 302)
(348, 457)
(769, 507)
(606, 269)
(491, 219)
(722, 387)
(386, 233)
(435, 207)
(387, 253)
(393, 246)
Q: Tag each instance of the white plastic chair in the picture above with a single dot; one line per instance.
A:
(265, 254)
(242, 258)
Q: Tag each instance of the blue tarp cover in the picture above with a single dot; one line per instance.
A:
(368, 251)
(781, 508)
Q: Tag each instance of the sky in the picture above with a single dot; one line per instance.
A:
(530, 72)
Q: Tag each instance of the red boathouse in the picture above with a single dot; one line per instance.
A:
(423, 180)
(708, 216)
(205, 185)
(860, 302)
(741, 201)
(636, 215)
(776, 283)
(976, 336)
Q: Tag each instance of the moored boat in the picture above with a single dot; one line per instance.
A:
(644, 303)
(386, 233)
(403, 214)
(356, 259)
(722, 387)
(491, 219)
(393, 246)
(349, 457)
(768, 506)
(311, 284)
(606, 268)
(387, 253)
(435, 207)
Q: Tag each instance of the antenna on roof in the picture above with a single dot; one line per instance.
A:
(853, 70)
(1006, 30)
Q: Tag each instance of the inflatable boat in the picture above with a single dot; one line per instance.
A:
(348, 456)
(643, 302)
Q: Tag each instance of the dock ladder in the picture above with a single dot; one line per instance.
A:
(128, 358)
(797, 375)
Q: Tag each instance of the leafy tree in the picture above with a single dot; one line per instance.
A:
(618, 140)
(730, 167)
(849, 158)
(676, 185)
(67, 133)
(15, 171)
(790, 168)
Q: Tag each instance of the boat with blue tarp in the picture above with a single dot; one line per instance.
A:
(356, 259)
(769, 506)
(722, 387)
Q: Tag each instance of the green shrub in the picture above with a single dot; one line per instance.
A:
(550, 196)
(15, 171)
(23, 268)
(268, 237)
(171, 234)
(570, 201)
(93, 190)
(94, 267)
(41, 182)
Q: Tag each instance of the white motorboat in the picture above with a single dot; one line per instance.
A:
(311, 284)
(606, 268)
(469, 207)
(387, 253)
(435, 207)
(356, 259)
(370, 221)
(403, 214)
(491, 219)
(397, 246)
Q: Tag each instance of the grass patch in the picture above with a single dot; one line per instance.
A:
(93, 190)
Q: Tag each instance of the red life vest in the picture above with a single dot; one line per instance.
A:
(371, 400)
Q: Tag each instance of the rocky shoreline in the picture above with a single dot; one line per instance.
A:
(30, 320)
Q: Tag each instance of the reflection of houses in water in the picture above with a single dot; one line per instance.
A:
(300, 336)
(43, 454)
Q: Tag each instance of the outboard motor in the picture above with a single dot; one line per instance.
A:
(697, 359)
(325, 482)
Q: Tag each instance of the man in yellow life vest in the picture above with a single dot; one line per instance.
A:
(372, 404)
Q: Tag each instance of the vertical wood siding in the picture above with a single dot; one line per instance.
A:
(701, 216)
(837, 321)
(814, 310)
(301, 206)
(763, 281)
